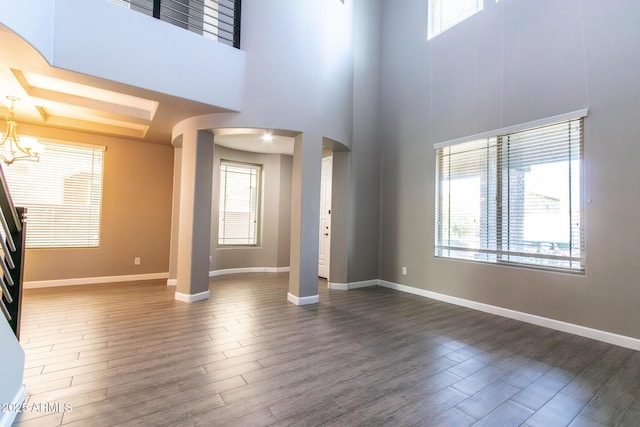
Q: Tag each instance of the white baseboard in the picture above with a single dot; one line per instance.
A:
(7, 418)
(248, 270)
(94, 280)
(192, 297)
(352, 285)
(303, 300)
(172, 282)
(596, 334)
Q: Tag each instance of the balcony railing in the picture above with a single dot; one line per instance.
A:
(214, 19)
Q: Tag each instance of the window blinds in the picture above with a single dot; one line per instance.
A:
(63, 195)
(123, 3)
(239, 199)
(513, 198)
(444, 14)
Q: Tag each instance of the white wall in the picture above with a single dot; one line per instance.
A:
(11, 368)
(515, 62)
(102, 39)
(299, 69)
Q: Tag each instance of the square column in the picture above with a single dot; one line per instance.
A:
(192, 216)
(305, 216)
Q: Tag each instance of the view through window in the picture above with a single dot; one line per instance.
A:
(513, 198)
(239, 203)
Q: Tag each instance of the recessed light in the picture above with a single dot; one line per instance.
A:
(267, 137)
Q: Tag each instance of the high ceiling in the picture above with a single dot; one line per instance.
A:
(52, 97)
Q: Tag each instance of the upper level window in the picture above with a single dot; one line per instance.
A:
(239, 203)
(123, 3)
(63, 195)
(513, 198)
(444, 14)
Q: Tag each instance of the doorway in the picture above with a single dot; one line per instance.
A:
(325, 217)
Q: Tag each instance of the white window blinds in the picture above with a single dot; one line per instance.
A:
(123, 3)
(63, 195)
(513, 198)
(444, 14)
(239, 204)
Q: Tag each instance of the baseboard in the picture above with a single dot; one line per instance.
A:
(192, 297)
(94, 280)
(172, 282)
(7, 418)
(303, 300)
(596, 334)
(352, 285)
(215, 273)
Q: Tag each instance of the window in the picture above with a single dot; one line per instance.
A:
(513, 198)
(63, 195)
(239, 203)
(123, 3)
(444, 14)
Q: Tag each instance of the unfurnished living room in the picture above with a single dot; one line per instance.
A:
(319, 213)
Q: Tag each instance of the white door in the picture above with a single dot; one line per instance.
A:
(325, 217)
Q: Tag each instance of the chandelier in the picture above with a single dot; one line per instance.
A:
(13, 148)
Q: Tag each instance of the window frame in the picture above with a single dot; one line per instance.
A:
(259, 171)
(496, 230)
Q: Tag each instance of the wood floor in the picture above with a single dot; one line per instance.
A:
(129, 354)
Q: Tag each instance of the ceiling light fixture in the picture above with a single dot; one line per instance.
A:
(267, 137)
(13, 148)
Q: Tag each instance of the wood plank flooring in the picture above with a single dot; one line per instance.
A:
(129, 354)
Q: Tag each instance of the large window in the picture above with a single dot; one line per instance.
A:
(62, 193)
(444, 14)
(239, 203)
(513, 198)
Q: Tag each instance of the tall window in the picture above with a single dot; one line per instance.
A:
(513, 198)
(239, 203)
(63, 195)
(444, 14)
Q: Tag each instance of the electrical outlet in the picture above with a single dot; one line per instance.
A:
(136, 261)
(404, 270)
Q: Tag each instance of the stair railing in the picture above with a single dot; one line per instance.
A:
(12, 246)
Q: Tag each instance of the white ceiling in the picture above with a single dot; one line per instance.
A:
(256, 143)
(56, 98)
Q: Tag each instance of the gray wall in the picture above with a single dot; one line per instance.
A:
(299, 82)
(273, 250)
(515, 62)
(364, 197)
